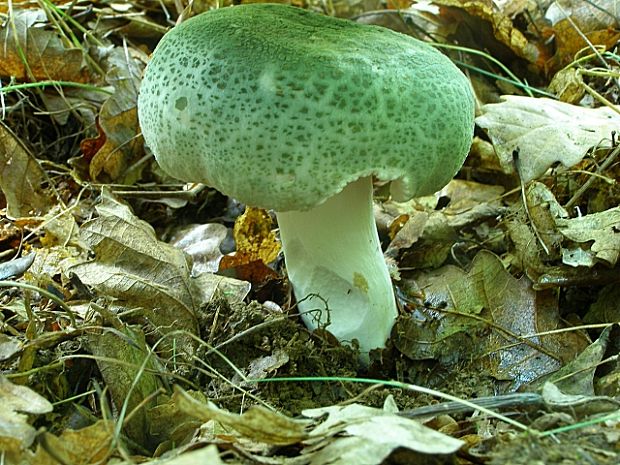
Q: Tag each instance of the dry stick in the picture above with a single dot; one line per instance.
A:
(400, 385)
(599, 97)
(520, 399)
(602, 167)
(506, 333)
(590, 45)
(583, 36)
(517, 164)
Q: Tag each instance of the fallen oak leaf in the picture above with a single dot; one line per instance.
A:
(544, 132)
(488, 316)
(602, 228)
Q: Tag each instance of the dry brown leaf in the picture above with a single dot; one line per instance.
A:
(574, 21)
(256, 247)
(357, 434)
(128, 369)
(21, 178)
(91, 145)
(16, 432)
(92, 444)
(202, 243)
(433, 247)
(544, 132)
(570, 41)
(487, 313)
(577, 375)
(567, 85)
(579, 403)
(138, 270)
(544, 210)
(257, 423)
(471, 202)
(502, 27)
(601, 230)
(118, 122)
(406, 232)
(29, 52)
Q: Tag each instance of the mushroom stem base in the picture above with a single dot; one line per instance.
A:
(336, 267)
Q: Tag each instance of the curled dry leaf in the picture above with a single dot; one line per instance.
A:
(502, 26)
(467, 202)
(118, 122)
(577, 376)
(140, 271)
(257, 423)
(202, 243)
(262, 367)
(92, 444)
(471, 202)
(567, 85)
(579, 404)
(407, 234)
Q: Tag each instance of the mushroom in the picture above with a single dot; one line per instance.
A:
(290, 110)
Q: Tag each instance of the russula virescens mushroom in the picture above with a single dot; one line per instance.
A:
(289, 110)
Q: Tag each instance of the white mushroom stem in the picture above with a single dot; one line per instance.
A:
(338, 272)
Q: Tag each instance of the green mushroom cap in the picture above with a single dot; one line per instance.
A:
(281, 108)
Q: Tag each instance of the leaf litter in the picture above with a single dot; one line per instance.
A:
(146, 334)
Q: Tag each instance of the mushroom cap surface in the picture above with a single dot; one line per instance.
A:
(281, 108)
